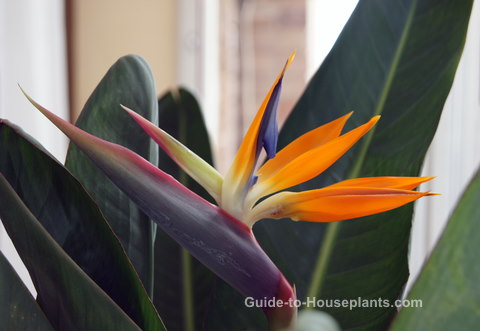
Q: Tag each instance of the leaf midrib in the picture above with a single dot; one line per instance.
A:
(333, 229)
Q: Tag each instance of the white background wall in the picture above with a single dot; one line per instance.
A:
(454, 155)
(33, 54)
(198, 56)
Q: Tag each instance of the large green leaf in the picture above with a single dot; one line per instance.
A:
(129, 82)
(448, 285)
(182, 284)
(396, 59)
(18, 309)
(72, 218)
(67, 296)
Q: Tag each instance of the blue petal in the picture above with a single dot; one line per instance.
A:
(268, 133)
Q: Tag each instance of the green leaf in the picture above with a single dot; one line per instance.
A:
(18, 309)
(68, 297)
(396, 59)
(72, 218)
(129, 82)
(182, 284)
(448, 285)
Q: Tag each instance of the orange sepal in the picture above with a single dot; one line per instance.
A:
(303, 144)
(402, 183)
(333, 204)
(237, 177)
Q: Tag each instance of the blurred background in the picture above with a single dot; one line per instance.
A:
(228, 53)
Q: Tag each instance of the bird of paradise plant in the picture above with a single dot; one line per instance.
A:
(62, 219)
(238, 194)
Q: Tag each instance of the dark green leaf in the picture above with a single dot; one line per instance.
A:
(68, 297)
(448, 285)
(397, 59)
(129, 82)
(18, 309)
(73, 219)
(182, 284)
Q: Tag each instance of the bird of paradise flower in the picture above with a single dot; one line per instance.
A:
(247, 194)
(240, 191)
